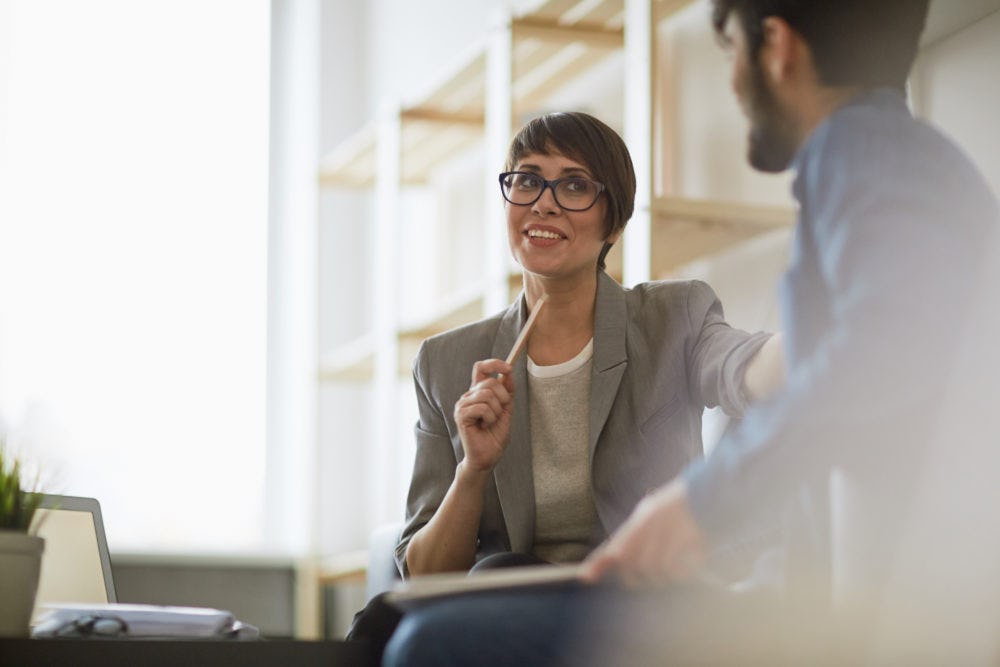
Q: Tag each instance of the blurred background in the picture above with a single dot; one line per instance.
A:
(225, 226)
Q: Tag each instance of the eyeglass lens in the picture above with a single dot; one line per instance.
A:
(573, 194)
(98, 626)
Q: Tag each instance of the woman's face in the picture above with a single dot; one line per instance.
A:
(548, 240)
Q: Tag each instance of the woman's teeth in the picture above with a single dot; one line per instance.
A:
(542, 234)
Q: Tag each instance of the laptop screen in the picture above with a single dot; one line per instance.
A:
(76, 566)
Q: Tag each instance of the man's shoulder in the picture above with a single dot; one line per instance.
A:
(862, 145)
(884, 135)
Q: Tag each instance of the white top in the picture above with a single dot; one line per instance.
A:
(559, 406)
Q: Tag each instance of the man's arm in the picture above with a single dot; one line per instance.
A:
(878, 363)
(873, 369)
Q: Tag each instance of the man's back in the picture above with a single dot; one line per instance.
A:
(894, 232)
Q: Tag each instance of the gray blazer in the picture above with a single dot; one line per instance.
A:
(662, 353)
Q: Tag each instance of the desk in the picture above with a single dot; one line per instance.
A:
(177, 653)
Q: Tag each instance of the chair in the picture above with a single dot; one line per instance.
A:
(382, 570)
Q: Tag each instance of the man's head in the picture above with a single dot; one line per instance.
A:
(846, 45)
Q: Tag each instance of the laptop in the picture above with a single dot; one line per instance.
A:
(76, 564)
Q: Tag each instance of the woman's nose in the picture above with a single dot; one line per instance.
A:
(546, 203)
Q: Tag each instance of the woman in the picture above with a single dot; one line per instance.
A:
(545, 457)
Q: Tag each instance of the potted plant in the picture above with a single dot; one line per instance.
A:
(20, 551)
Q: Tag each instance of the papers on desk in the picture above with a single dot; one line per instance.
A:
(139, 620)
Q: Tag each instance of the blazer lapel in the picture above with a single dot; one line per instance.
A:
(513, 473)
(610, 357)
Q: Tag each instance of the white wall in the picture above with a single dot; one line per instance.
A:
(133, 241)
(957, 86)
(412, 43)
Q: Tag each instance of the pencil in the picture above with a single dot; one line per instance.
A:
(522, 338)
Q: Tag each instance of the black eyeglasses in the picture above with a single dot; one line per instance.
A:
(93, 625)
(575, 193)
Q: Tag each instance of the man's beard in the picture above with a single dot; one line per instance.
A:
(771, 142)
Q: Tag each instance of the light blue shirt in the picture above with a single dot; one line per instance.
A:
(893, 228)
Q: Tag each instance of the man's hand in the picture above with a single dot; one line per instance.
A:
(483, 414)
(659, 543)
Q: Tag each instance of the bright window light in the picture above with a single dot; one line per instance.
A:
(133, 228)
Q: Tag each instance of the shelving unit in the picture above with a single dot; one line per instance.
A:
(553, 42)
(354, 361)
(557, 40)
(550, 44)
(509, 75)
(686, 229)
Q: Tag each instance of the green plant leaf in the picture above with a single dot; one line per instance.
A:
(17, 504)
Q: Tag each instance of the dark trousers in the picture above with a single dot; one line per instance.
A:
(376, 622)
(576, 625)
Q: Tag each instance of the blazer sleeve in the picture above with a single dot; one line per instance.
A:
(719, 354)
(435, 462)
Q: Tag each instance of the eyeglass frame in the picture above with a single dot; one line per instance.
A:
(552, 186)
(93, 625)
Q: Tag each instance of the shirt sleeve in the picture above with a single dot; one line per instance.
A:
(719, 356)
(897, 260)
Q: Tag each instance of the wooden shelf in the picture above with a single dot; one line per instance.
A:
(351, 362)
(553, 43)
(355, 361)
(352, 162)
(686, 229)
(664, 9)
(351, 566)
(460, 308)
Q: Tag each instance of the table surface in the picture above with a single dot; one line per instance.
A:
(170, 653)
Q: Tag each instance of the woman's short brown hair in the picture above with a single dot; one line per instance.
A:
(585, 139)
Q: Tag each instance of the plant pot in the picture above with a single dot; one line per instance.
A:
(20, 564)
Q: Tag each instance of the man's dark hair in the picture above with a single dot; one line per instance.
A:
(581, 137)
(866, 43)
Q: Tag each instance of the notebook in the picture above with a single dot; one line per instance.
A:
(76, 565)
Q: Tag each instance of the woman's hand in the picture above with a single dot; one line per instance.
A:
(483, 414)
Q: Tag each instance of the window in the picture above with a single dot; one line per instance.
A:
(133, 231)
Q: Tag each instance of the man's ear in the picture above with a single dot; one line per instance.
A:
(779, 49)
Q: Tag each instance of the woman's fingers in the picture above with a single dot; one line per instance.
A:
(490, 368)
(490, 390)
(478, 413)
(486, 401)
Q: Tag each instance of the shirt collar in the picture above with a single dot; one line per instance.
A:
(875, 98)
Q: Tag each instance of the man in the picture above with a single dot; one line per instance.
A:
(894, 238)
